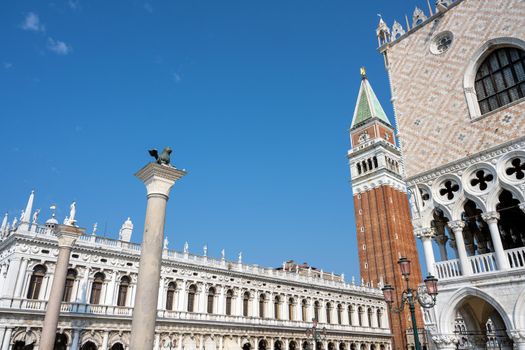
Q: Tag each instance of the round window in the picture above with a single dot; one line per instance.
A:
(441, 42)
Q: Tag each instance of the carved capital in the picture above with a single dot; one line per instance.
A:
(517, 335)
(67, 235)
(456, 225)
(426, 232)
(490, 217)
(159, 178)
(522, 206)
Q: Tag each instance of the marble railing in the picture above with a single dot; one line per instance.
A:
(314, 277)
(447, 269)
(125, 311)
(481, 264)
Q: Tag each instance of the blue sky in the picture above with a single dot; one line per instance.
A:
(255, 98)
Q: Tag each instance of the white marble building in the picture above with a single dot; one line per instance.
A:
(204, 303)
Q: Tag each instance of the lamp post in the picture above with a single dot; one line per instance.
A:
(426, 299)
(317, 335)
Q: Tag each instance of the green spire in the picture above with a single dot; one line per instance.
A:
(367, 105)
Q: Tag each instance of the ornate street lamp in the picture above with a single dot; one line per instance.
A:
(425, 298)
(317, 335)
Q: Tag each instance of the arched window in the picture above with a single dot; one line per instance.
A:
(70, 282)
(316, 310)
(35, 283)
(350, 312)
(370, 313)
(229, 296)
(170, 295)
(276, 305)
(211, 297)
(262, 302)
(291, 304)
(245, 303)
(379, 318)
(339, 314)
(358, 169)
(375, 161)
(123, 291)
(369, 163)
(96, 288)
(500, 79)
(191, 297)
(303, 310)
(328, 313)
(117, 346)
(360, 316)
(364, 166)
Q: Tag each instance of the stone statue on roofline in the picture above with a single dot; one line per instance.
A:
(35, 216)
(186, 248)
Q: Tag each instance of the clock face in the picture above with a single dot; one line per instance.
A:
(363, 137)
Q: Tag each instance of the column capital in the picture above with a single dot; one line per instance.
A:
(522, 206)
(67, 235)
(426, 232)
(456, 225)
(517, 335)
(159, 178)
(490, 217)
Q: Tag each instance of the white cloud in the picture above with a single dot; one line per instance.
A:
(32, 23)
(58, 47)
(7, 65)
(148, 7)
(74, 4)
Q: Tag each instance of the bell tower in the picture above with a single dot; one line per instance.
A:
(382, 214)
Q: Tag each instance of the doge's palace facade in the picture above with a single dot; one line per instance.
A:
(204, 303)
(457, 75)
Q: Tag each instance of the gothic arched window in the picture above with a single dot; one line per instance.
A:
(276, 305)
(211, 297)
(500, 79)
(191, 297)
(70, 282)
(303, 310)
(96, 288)
(170, 295)
(328, 313)
(35, 283)
(229, 296)
(123, 291)
(339, 314)
(245, 303)
(262, 299)
(316, 310)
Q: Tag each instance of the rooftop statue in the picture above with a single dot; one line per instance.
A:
(163, 158)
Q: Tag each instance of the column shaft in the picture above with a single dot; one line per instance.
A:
(457, 228)
(55, 299)
(143, 324)
(430, 261)
(501, 259)
(7, 339)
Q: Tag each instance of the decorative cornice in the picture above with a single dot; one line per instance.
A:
(464, 163)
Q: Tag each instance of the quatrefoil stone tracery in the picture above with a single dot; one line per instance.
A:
(448, 189)
(516, 169)
(481, 180)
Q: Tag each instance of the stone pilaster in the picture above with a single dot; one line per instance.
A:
(159, 180)
(67, 235)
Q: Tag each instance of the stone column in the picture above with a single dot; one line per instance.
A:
(67, 235)
(76, 339)
(457, 228)
(7, 339)
(491, 219)
(105, 341)
(426, 235)
(158, 180)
